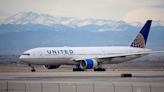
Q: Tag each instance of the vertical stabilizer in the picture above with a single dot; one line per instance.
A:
(141, 38)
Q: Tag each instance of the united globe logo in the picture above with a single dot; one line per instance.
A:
(139, 41)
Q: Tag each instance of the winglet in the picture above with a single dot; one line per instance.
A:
(141, 38)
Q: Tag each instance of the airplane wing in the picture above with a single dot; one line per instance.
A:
(128, 54)
(117, 55)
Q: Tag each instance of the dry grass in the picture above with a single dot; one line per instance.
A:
(66, 68)
(26, 68)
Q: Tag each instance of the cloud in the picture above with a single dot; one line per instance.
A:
(143, 14)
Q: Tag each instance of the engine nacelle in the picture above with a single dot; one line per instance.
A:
(51, 66)
(88, 63)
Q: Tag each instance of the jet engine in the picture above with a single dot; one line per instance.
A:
(88, 63)
(51, 66)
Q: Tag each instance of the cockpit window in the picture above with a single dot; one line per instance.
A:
(27, 54)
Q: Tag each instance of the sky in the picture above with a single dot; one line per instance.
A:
(127, 10)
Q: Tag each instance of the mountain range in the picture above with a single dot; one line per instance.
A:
(31, 18)
(26, 30)
(45, 19)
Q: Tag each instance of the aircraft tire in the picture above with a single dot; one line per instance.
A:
(78, 69)
(99, 69)
(33, 70)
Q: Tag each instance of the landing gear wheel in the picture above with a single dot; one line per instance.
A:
(126, 75)
(33, 70)
(78, 69)
(99, 69)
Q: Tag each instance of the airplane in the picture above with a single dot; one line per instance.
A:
(88, 57)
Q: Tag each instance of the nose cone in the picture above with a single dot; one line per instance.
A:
(21, 58)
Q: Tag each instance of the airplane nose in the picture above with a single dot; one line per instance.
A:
(21, 58)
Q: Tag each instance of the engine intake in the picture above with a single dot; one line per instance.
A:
(88, 63)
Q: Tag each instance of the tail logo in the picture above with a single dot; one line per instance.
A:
(141, 38)
(138, 41)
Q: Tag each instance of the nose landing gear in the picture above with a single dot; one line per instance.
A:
(32, 68)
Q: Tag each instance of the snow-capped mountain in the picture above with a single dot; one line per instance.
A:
(33, 18)
(45, 19)
(26, 21)
(27, 30)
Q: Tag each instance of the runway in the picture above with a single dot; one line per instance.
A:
(109, 81)
(86, 77)
(136, 74)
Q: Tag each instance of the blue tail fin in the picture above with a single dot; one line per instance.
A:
(141, 38)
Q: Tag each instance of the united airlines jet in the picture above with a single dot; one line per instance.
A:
(88, 57)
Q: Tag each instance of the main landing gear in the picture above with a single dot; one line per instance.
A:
(78, 68)
(95, 69)
(99, 67)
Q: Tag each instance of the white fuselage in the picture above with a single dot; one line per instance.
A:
(88, 57)
(69, 55)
